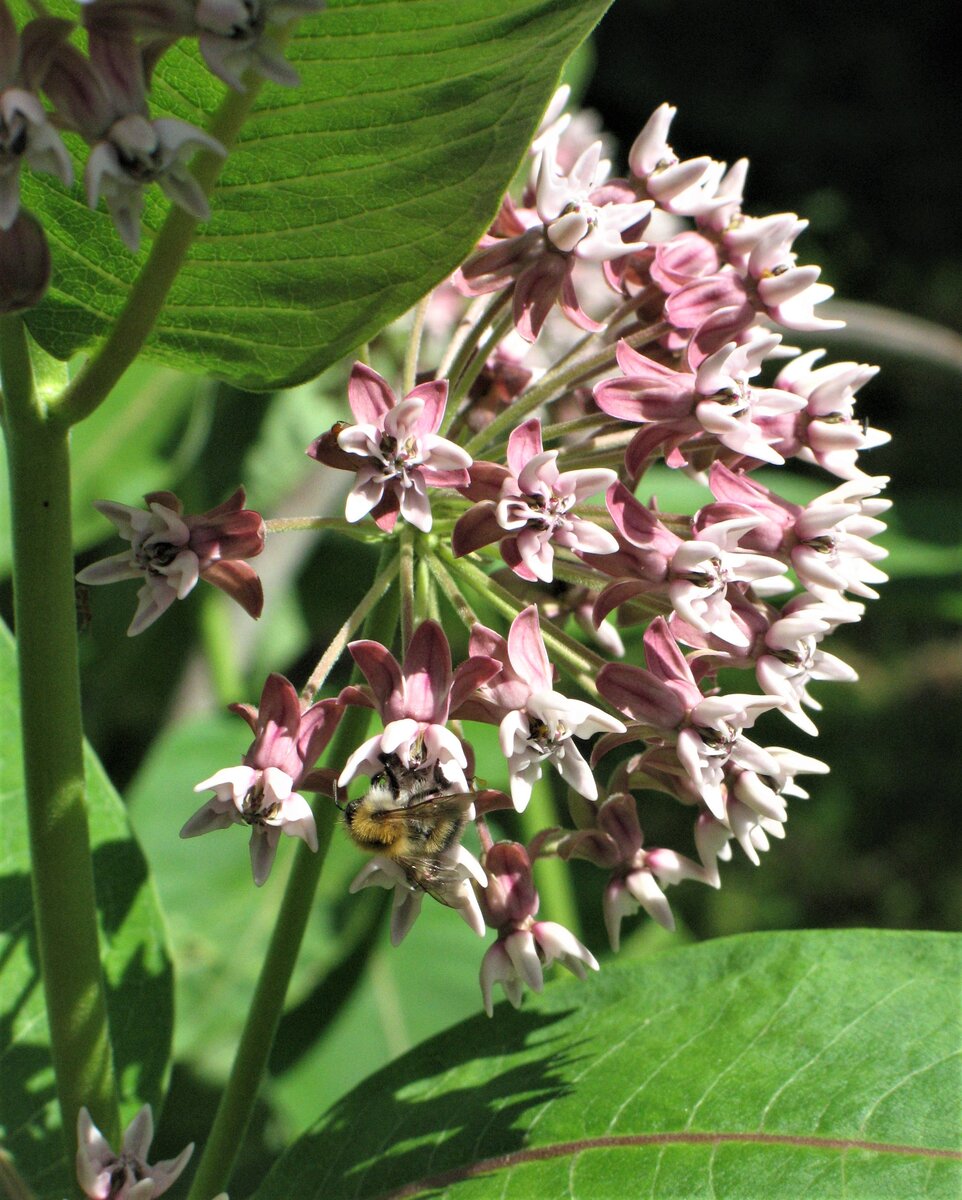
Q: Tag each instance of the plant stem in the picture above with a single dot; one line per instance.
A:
(407, 588)
(149, 292)
(578, 661)
(382, 581)
(253, 1050)
(454, 368)
(361, 533)
(555, 889)
(456, 599)
(553, 384)
(61, 866)
(414, 346)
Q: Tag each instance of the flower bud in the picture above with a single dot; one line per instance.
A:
(24, 264)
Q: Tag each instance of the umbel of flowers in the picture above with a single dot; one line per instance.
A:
(605, 329)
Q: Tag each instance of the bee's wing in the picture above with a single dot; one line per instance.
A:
(448, 804)
(432, 875)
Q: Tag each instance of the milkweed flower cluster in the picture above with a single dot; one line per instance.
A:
(514, 484)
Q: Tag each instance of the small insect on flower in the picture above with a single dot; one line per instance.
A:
(411, 816)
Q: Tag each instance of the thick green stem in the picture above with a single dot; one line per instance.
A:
(61, 866)
(239, 1096)
(151, 287)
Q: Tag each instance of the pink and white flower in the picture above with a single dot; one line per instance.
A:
(171, 552)
(686, 188)
(524, 946)
(578, 216)
(712, 403)
(262, 792)
(105, 1175)
(104, 97)
(536, 723)
(26, 132)
(702, 733)
(528, 507)
(395, 449)
(616, 843)
(414, 702)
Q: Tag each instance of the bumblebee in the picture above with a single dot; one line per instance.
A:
(410, 815)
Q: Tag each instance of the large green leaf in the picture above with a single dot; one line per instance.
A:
(767, 1066)
(136, 964)
(344, 201)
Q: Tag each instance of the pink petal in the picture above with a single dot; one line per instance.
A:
(478, 527)
(239, 581)
(369, 395)
(427, 674)
(526, 650)
(382, 672)
(523, 444)
(641, 695)
(434, 395)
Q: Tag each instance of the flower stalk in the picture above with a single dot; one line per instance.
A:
(61, 864)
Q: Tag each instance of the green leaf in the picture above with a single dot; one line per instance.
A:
(136, 964)
(344, 201)
(782, 1065)
(134, 443)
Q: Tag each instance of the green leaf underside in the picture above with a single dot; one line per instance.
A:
(136, 963)
(780, 1065)
(344, 201)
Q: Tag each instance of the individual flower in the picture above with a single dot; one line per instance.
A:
(262, 792)
(695, 736)
(26, 133)
(536, 723)
(713, 403)
(702, 577)
(791, 659)
(615, 842)
(104, 98)
(170, 552)
(578, 215)
(826, 542)
(456, 871)
(754, 809)
(686, 188)
(104, 1175)
(764, 279)
(528, 507)
(395, 450)
(414, 702)
(235, 36)
(826, 431)
(524, 946)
